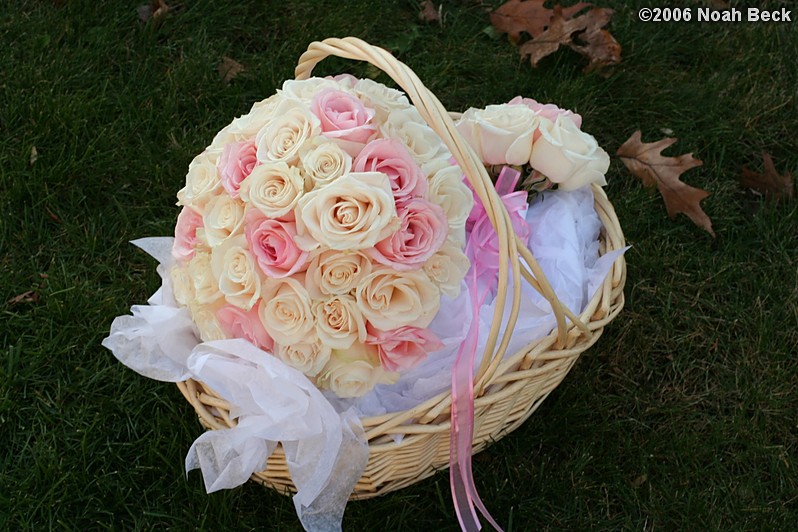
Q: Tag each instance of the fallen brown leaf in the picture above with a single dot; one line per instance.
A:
(154, 11)
(583, 34)
(229, 69)
(429, 13)
(769, 183)
(31, 296)
(527, 16)
(644, 160)
(601, 49)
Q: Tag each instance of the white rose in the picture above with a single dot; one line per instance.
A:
(447, 268)
(202, 181)
(424, 144)
(309, 356)
(325, 163)
(568, 156)
(339, 322)
(285, 311)
(458, 236)
(335, 272)
(447, 189)
(354, 212)
(354, 372)
(500, 134)
(245, 127)
(237, 271)
(206, 286)
(223, 217)
(382, 99)
(204, 318)
(305, 89)
(389, 299)
(291, 126)
(273, 188)
(182, 285)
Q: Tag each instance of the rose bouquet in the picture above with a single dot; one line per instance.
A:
(323, 227)
(335, 297)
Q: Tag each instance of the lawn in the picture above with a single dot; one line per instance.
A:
(682, 416)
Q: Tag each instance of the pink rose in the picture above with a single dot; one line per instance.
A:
(546, 110)
(244, 324)
(392, 158)
(401, 349)
(343, 117)
(236, 163)
(186, 234)
(421, 234)
(272, 243)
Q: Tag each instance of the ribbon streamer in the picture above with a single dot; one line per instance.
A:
(482, 249)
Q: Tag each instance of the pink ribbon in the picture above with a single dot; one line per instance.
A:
(482, 249)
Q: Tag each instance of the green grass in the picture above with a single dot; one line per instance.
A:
(683, 416)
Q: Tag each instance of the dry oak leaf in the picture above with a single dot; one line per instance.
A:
(769, 183)
(229, 68)
(517, 16)
(600, 48)
(644, 160)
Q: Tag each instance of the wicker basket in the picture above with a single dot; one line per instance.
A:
(507, 390)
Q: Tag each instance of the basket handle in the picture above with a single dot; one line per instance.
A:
(510, 246)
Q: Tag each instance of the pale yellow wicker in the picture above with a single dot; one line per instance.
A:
(507, 389)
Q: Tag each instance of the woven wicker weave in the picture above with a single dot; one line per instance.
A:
(507, 389)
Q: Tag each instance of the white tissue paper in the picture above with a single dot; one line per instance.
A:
(323, 438)
(326, 451)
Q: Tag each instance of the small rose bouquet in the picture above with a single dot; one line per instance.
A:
(541, 139)
(323, 227)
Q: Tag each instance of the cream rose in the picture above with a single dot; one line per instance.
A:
(325, 163)
(236, 269)
(335, 272)
(339, 322)
(458, 236)
(382, 99)
(273, 188)
(182, 285)
(354, 212)
(291, 126)
(448, 190)
(305, 89)
(202, 182)
(309, 356)
(568, 156)
(354, 372)
(423, 143)
(285, 311)
(245, 127)
(500, 134)
(206, 286)
(447, 269)
(390, 299)
(204, 318)
(223, 218)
